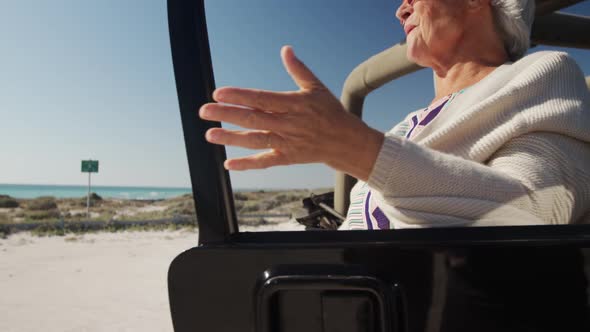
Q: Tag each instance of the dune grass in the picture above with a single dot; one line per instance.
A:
(55, 216)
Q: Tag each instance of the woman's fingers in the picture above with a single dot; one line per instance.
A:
(303, 76)
(271, 101)
(243, 117)
(288, 123)
(250, 139)
(257, 161)
(254, 98)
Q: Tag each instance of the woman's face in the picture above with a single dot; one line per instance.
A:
(434, 28)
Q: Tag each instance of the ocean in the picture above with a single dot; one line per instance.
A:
(60, 191)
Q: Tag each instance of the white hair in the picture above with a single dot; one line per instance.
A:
(514, 19)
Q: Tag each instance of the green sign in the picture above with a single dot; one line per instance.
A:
(90, 166)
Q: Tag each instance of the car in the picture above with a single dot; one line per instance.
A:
(514, 278)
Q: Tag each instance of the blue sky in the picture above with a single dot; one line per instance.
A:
(93, 79)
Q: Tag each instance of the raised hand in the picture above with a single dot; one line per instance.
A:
(295, 127)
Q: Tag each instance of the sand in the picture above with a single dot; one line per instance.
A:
(92, 282)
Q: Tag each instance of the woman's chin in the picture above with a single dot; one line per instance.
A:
(418, 52)
(414, 55)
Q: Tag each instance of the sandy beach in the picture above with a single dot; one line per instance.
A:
(91, 282)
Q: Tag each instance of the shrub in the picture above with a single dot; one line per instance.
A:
(285, 198)
(238, 205)
(8, 202)
(95, 197)
(48, 230)
(43, 215)
(254, 207)
(186, 207)
(240, 197)
(95, 200)
(42, 204)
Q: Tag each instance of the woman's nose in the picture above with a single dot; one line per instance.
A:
(405, 10)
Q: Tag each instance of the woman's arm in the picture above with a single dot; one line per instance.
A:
(533, 179)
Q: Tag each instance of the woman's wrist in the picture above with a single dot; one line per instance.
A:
(359, 153)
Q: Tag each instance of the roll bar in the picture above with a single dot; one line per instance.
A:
(573, 31)
(368, 76)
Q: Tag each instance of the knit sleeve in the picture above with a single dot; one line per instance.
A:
(538, 178)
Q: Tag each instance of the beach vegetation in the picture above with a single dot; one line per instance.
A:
(42, 204)
(95, 200)
(181, 207)
(290, 197)
(147, 215)
(250, 207)
(8, 202)
(44, 215)
(238, 205)
(48, 229)
(239, 196)
(95, 197)
(51, 216)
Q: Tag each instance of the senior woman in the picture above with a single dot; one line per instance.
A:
(504, 141)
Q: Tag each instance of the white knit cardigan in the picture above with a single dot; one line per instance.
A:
(512, 149)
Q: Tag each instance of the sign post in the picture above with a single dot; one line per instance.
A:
(89, 166)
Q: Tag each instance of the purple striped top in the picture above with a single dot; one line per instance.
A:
(363, 212)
